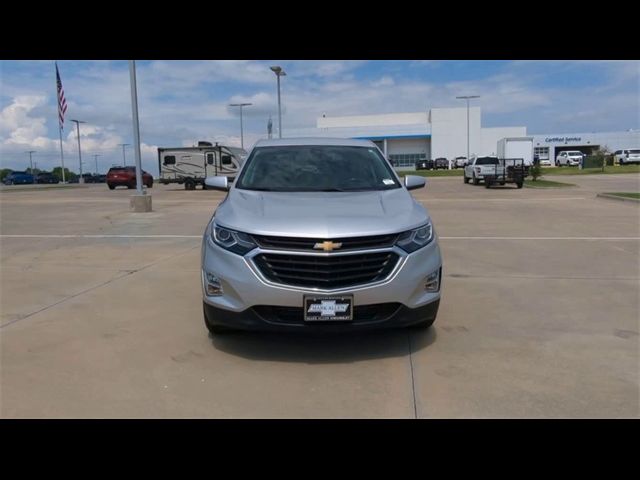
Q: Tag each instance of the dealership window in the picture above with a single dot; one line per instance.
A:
(541, 152)
(406, 159)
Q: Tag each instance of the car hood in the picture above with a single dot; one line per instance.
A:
(320, 214)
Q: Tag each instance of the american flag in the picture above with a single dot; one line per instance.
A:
(62, 103)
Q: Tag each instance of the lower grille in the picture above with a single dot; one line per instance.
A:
(326, 271)
(295, 315)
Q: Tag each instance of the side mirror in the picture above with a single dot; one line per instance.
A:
(217, 183)
(413, 182)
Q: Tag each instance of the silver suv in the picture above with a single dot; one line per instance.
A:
(319, 234)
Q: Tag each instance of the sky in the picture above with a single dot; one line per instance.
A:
(184, 101)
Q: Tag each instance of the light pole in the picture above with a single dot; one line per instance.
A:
(124, 158)
(30, 160)
(241, 130)
(136, 135)
(467, 99)
(279, 73)
(78, 122)
(96, 159)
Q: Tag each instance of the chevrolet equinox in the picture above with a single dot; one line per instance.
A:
(319, 234)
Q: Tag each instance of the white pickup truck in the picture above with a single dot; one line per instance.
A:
(478, 166)
(492, 171)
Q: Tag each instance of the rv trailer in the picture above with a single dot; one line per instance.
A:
(192, 165)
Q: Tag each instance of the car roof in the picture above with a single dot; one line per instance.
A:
(302, 141)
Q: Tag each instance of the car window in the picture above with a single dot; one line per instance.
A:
(635, 151)
(316, 168)
(487, 161)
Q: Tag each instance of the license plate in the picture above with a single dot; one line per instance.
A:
(328, 309)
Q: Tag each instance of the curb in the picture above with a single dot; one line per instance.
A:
(618, 198)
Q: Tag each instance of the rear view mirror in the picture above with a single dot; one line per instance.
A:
(217, 183)
(413, 182)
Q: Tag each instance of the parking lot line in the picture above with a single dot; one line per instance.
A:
(606, 239)
(510, 200)
(614, 239)
(100, 236)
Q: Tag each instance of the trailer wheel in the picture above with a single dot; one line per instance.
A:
(487, 184)
(189, 185)
(519, 184)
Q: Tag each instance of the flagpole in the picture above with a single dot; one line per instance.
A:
(62, 156)
(60, 126)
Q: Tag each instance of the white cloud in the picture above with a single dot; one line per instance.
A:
(385, 81)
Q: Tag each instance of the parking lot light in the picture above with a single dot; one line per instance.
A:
(279, 73)
(78, 122)
(467, 99)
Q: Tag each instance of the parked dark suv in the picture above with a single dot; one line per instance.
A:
(441, 163)
(126, 177)
(424, 165)
(46, 178)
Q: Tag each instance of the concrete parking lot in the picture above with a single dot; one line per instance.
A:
(101, 314)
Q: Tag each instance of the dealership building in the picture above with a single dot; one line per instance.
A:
(442, 132)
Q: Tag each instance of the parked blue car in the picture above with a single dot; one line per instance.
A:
(19, 178)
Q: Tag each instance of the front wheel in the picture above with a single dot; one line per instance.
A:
(475, 180)
(111, 187)
(466, 179)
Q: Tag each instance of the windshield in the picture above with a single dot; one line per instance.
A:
(574, 154)
(312, 168)
(487, 161)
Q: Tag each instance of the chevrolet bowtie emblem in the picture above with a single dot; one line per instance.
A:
(327, 246)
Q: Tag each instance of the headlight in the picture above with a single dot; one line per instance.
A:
(236, 242)
(414, 239)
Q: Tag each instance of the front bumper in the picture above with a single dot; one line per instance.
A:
(245, 288)
(268, 319)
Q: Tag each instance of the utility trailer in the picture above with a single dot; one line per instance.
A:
(192, 165)
(507, 170)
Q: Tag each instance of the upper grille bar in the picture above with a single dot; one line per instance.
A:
(349, 243)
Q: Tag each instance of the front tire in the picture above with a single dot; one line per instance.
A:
(111, 187)
(466, 179)
(475, 180)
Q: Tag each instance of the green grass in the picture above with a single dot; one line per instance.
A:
(546, 184)
(626, 194)
(590, 171)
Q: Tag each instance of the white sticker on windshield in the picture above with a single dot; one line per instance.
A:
(387, 181)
